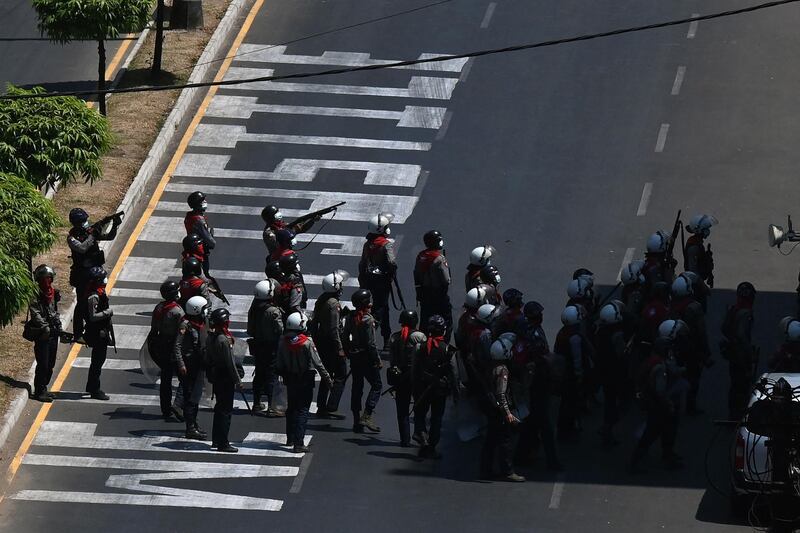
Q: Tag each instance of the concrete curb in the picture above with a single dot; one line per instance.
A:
(147, 172)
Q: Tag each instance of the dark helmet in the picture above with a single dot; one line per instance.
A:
(191, 242)
(512, 297)
(196, 199)
(97, 273)
(489, 274)
(746, 291)
(191, 267)
(219, 316)
(436, 325)
(268, 214)
(273, 270)
(288, 263)
(43, 271)
(532, 309)
(77, 216)
(361, 298)
(433, 240)
(582, 272)
(170, 290)
(409, 317)
(284, 238)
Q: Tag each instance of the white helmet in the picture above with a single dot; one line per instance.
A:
(701, 224)
(334, 282)
(682, 286)
(380, 223)
(658, 242)
(196, 306)
(482, 255)
(611, 313)
(264, 289)
(632, 273)
(476, 297)
(579, 288)
(572, 315)
(296, 322)
(486, 313)
(672, 329)
(790, 327)
(501, 349)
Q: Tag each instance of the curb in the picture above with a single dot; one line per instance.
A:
(148, 169)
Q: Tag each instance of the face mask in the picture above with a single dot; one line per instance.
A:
(278, 216)
(178, 295)
(105, 281)
(497, 279)
(85, 224)
(203, 205)
(297, 267)
(441, 243)
(293, 242)
(387, 231)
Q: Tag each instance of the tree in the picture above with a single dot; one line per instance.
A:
(51, 141)
(27, 228)
(67, 20)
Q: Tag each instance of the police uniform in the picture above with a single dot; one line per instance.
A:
(98, 335)
(327, 327)
(376, 270)
(402, 346)
(164, 325)
(432, 282)
(434, 377)
(578, 354)
(189, 353)
(365, 363)
(85, 252)
(690, 311)
(197, 223)
(738, 349)
(45, 320)
(225, 374)
(265, 326)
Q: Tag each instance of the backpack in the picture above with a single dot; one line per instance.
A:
(29, 331)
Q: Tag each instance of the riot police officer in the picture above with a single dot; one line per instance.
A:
(193, 247)
(696, 258)
(164, 325)
(190, 347)
(510, 316)
(479, 257)
(377, 269)
(192, 284)
(402, 346)
(285, 242)
(83, 241)
(293, 296)
(44, 328)
(265, 326)
(489, 280)
(572, 344)
(225, 374)
(99, 333)
(611, 365)
(196, 222)
(737, 348)
(365, 361)
(432, 281)
(659, 266)
(326, 327)
(273, 222)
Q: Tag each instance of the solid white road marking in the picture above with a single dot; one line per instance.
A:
(227, 136)
(443, 131)
(243, 107)
(434, 88)
(297, 484)
(465, 72)
(627, 258)
(662, 137)
(693, 27)
(676, 85)
(647, 191)
(487, 17)
(558, 491)
(277, 54)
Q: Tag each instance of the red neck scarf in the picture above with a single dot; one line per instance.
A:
(426, 258)
(164, 308)
(46, 290)
(297, 342)
(197, 321)
(278, 224)
(193, 281)
(404, 332)
(360, 315)
(225, 331)
(433, 342)
(97, 288)
(377, 241)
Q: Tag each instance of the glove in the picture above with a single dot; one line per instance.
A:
(511, 419)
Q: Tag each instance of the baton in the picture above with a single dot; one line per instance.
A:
(245, 401)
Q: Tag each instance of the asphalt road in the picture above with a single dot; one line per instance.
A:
(545, 154)
(31, 60)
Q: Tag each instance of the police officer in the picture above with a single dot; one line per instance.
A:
(580, 291)
(479, 257)
(293, 296)
(99, 333)
(265, 326)
(654, 312)
(467, 322)
(434, 377)
(611, 365)
(572, 344)
(365, 362)
(285, 243)
(510, 316)
(737, 348)
(190, 347)
(489, 280)
(273, 222)
(633, 295)
(685, 307)
(164, 325)
(402, 346)
(377, 269)
(45, 323)
(432, 281)
(192, 284)
(658, 267)
(787, 358)
(196, 222)
(297, 361)
(696, 257)
(83, 241)
(327, 330)
(225, 374)
(193, 247)
(502, 420)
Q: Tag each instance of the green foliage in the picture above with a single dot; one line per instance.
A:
(27, 219)
(51, 140)
(66, 20)
(17, 289)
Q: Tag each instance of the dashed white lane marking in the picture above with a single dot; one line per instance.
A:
(445, 124)
(297, 484)
(487, 18)
(558, 491)
(662, 137)
(645, 201)
(693, 27)
(676, 85)
(627, 258)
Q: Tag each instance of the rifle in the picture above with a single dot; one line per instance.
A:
(245, 401)
(214, 288)
(111, 335)
(399, 293)
(710, 255)
(314, 215)
(116, 217)
(675, 229)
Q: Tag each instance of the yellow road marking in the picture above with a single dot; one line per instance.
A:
(73, 353)
(115, 61)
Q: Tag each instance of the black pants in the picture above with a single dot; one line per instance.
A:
(223, 407)
(45, 352)
(741, 374)
(434, 402)
(402, 400)
(165, 387)
(661, 423)
(380, 305)
(437, 306)
(499, 435)
(364, 369)
(612, 395)
(538, 427)
(79, 314)
(99, 351)
(570, 409)
(694, 369)
(299, 392)
(265, 379)
(328, 398)
(192, 388)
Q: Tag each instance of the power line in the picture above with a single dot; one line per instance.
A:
(437, 59)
